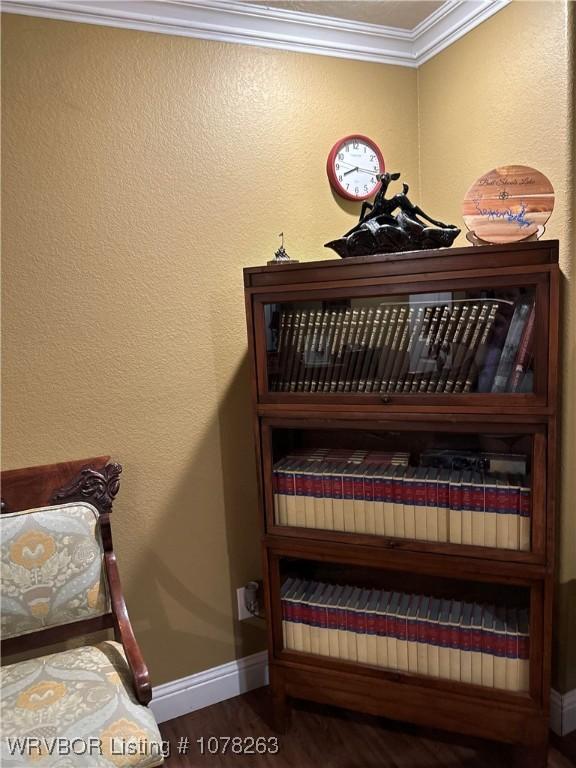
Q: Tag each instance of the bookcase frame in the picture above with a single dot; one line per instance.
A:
(515, 718)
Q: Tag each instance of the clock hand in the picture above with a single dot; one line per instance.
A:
(350, 171)
(357, 168)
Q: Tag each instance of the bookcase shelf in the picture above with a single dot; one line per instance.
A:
(405, 426)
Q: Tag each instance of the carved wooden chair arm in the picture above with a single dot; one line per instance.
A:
(125, 634)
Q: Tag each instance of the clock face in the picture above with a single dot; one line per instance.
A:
(353, 167)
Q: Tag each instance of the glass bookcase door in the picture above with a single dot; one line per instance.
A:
(465, 341)
(446, 488)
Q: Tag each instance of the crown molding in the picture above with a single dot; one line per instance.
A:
(232, 21)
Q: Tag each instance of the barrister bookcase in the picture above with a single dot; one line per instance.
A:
(405, 425)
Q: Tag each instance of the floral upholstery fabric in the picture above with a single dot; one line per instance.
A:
(81, 700)
(52, 568)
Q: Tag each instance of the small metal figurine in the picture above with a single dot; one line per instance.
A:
(281, 257)
(379, 231)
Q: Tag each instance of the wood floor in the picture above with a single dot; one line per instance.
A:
(321, 737)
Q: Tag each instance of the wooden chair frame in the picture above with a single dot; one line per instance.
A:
(95, 481)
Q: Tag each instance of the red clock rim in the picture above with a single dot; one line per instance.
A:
(334, 183)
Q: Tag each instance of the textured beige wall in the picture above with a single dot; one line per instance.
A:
(501, 95)
(141, 173)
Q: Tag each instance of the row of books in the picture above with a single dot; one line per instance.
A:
(469, 642)
(405, 348)
(383, 498)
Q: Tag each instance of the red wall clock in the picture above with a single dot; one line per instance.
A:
(353, 166)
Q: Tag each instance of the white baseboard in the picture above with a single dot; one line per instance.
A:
(563, 712)
(209, 687)
(228, 680)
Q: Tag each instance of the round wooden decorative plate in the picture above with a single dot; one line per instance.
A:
(510, 203)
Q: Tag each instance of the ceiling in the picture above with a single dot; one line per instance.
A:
(403, 14)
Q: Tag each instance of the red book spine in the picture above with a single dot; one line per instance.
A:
(401, 628)
(371, 622)
(455, 636)
(369, 489)
(525, 503)
(308, 484)
(358, 487)
(523, 647)
(488, 641)
(381, 624)
(419, 496)
(467, 496)
(347, 487)
(444, 635)
(466, 638)
(318, 487)
(499, 644)
(332, 618)
(432, 632)
(398, 490)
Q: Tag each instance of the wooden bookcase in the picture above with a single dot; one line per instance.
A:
(294, 410)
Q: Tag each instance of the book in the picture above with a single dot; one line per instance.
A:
(359, 500)
(466, 506)
(422, 635)
(287, 588)
(417, 350)
(343, 327)
(320, 353)
(478, 509)
(488, 641)
(513, 511)
(352, 624)
(401, 628)
(443, 500)
(372, 627)
(384, 353)
(444, 640)
(409, 349)
(377, 349)
(432, 511)
(512, 666)
(437, 349)
(477, 364)
(490, 510)
(476, 644)
(393, 349)
(451, 346)
(361, 627)
(511, 346)
(382, 629)
(455, 640)
(420, 502)
(408, 498)
(523, 650)
(364, 332)
(327, 350)
(306, 329)
(524, 354)
(348, 474)
(311, 354)
(284, 339)
(400, 351)
(462, 348)
(391, 630)
(466, 643)
(300, 493)
(348, 345)
(370, 471)
(368, 356)
(455, 507)
(337, 479)
(342, 621)
(433, 639)
(502, 516)
(291, 355)
(378, 499)
(524, 515)
(412, 632)
(333, 621)
(427, 364)
(398, 506)
(470, 354)
(499, 647)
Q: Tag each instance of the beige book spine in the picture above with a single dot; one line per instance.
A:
(369, 505)
(315, 639)
(399, 525)
(487, 670)
(297, 636)
(524, 534)
(392, 643)
(466, 666)
(388, 509)
(360, 525)
(327, 501)
(523, 675)
(444, 662)
(432, 511)
(306, 638)
(502, 518)
(381, 645)
(479, 511)
(338, 514)
(299, 498)
(409, 512)
(433, 666)
(372, 642)
(500, 672)
(362, 648)
(352, 652)
(514, 516)
(467, 512)
(379, 525)
(309, 500)
(290, 500)
(324, 645)
(490, 514)
(455, 510)
(525, 516)
(333, 644)
(413, 656)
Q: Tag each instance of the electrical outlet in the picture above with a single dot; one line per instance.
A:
(243, 612)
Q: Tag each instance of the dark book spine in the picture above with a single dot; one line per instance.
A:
(333, 353)
(369, 352)
(462, 348)
(347, 349)
(338, 360)
(354, 349)
(479, 357)
(274, 383)
(412, 338)
(377, 347)
(452, 347)
(364, 334)
(303, 349)
(291, 363)
(472, 347)
(444, 349)
(326, 348)
(310, 355)
(399, 358)
(437, 349)
(420, 382)
(320, 352)
(384, 352)
(391, 357)
(420, 341)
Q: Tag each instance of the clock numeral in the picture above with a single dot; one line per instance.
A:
(356, 190)
(340, 178)
(337, 166)
(372, 158)
(347, 186)
(364, 148)
(341, 156)
(355, 145)
(347, 147)
(365, 188)
(375, 167)
(373, 180)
